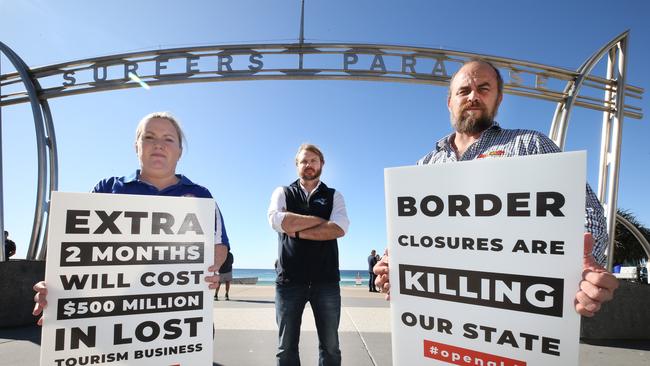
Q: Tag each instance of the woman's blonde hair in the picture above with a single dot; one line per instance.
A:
(164, 115)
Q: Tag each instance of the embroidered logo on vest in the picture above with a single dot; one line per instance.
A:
(321, 201)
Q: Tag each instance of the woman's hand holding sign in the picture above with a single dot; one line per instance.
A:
(40, 300)
(220, 253)
(597, 285)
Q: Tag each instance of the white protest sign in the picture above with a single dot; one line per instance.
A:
(485, 260)
(125, 279)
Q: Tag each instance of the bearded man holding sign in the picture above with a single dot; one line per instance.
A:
(475, 93)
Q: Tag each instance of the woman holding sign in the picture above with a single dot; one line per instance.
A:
(159, 145)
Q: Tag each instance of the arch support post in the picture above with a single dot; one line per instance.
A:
(3, 255)
(636, 233)
(611, 146)
(612, 127)
(45, 146)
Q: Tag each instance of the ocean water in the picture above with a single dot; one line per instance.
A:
(266, 277)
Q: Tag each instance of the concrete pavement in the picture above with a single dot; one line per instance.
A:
(247, 335)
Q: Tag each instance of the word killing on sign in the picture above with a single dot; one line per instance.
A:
(538, 295)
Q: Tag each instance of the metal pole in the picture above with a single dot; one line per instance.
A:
(560, 125)
(617, 138)
(553, 131)
(54, 172)
(605, 136)
(37, 114)
(301, 37)
(3, 255)
(636, 233)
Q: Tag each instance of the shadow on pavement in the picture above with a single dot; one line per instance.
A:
(638, 344)
(30, 334)
(254, 301)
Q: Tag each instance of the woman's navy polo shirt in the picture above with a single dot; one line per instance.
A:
(184, 188)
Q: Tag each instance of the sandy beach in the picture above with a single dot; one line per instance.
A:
(246, 334)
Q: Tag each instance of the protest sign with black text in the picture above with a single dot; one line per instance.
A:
(125, 278)
(485, 259)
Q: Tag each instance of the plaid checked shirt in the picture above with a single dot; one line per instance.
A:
(496, 141)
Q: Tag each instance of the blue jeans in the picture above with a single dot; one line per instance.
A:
(290, 301)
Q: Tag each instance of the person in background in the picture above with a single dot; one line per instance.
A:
(309, 218)
(372, 260)
(10, 246)
(475, 93)
(158, 145)
(225, 276)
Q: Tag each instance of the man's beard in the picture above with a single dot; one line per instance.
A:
(313, 176)
(469, 123)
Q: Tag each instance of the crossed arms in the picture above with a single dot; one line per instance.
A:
(308, 227)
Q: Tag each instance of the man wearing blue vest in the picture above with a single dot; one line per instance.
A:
(309, 217)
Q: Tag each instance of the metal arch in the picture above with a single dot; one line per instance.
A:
(50, 143)
(563, 110)
(72, 71)
(53, 169)
(37, 113)
(637, 234)
(614, 147)
(612, 127)
(567, 99)
(605, 134)
(2, 215)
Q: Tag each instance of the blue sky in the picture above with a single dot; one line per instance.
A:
(242, 136)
